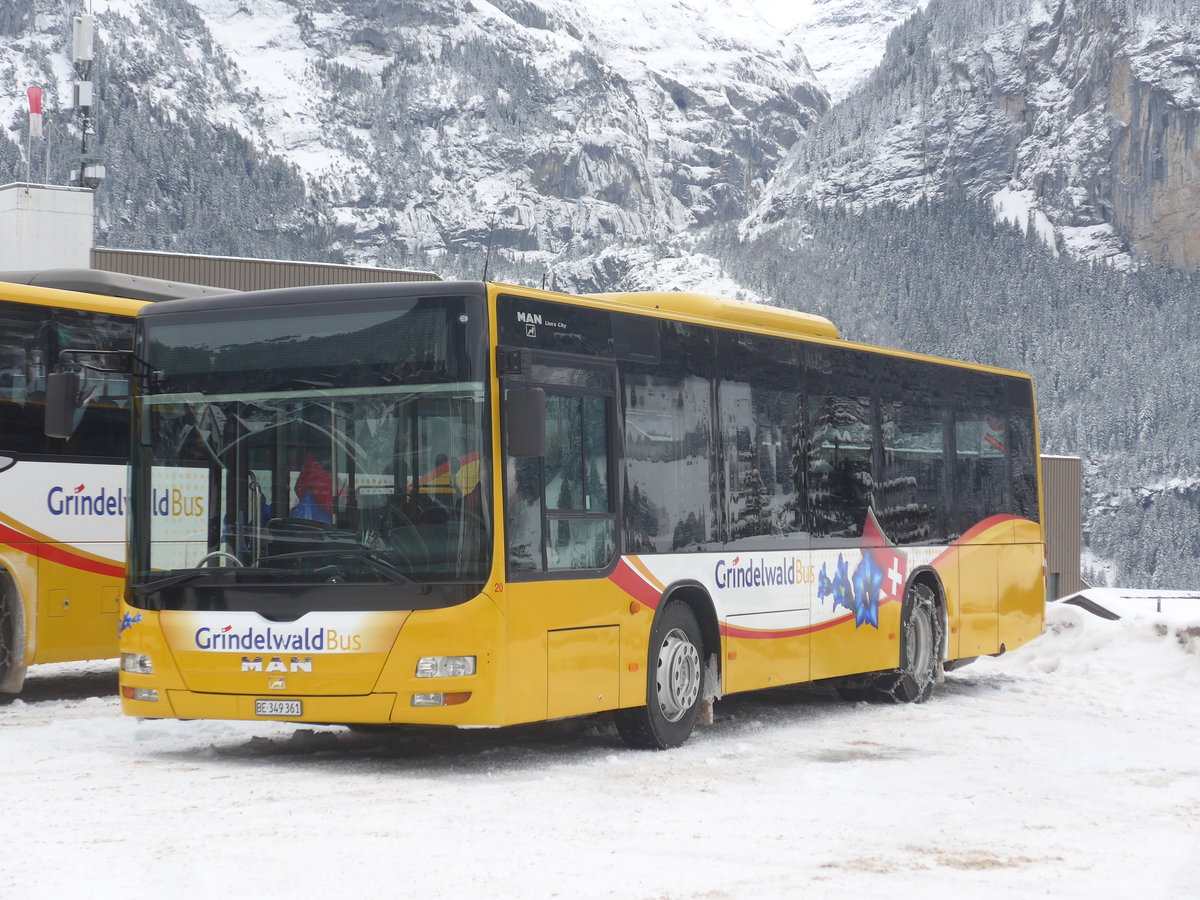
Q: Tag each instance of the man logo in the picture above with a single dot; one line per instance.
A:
(277, 684)
(276, 664)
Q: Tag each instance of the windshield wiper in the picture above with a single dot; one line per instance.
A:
(181, 577)
(370, 557)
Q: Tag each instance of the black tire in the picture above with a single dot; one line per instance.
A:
(920, 648)
(8, 630)
(674, 684)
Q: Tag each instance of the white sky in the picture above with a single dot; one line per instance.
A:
(784, 14)
(1066, 768)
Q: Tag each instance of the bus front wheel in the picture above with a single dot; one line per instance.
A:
(674, 684)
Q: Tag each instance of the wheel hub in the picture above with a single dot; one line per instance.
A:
(678, 676)
(921, 644)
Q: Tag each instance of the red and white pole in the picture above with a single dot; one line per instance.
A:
(35, 112)
(35, 125)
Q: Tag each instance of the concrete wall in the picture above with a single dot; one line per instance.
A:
(45, 227)
(242, 274)
(1062, 505)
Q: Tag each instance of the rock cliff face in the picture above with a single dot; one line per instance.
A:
(1084, 110)
(1155, 99)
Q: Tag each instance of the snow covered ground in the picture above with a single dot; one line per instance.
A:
(1068, 768)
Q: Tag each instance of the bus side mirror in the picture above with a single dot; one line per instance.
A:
(62, 389)
(525, 421)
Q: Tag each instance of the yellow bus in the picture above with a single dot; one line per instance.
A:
(476, 504)
(63, 500)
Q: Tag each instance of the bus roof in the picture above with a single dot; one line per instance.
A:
(111, 284)
(738, 314)
(67, 299)
(722, 311)
(696, 308)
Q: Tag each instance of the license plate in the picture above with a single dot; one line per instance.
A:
(278, 707)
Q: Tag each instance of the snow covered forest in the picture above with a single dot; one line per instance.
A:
(690, 145)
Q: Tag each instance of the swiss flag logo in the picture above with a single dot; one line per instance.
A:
(890, 561)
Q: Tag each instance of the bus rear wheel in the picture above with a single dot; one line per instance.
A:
(674, 684)
(920, 647)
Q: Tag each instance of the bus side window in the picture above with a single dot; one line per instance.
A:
(840, 483)
(1022, 444)
(576, 471)
(980, 482)
(22, 379)
(559, 510)
(523, 492)
(910, 495)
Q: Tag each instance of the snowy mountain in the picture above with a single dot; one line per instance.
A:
(688, 144)
(402, 130)
(845, 39)
(1083, 113)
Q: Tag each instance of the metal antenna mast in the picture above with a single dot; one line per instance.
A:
(83, 31)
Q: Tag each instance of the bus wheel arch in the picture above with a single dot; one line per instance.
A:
(701, 605)
(682, 656)
(12, 636)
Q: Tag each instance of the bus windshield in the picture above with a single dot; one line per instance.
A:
(341, 445)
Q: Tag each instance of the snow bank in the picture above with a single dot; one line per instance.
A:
(1064, 768)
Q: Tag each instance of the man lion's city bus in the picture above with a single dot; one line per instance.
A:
(475, 504)
(63, 500)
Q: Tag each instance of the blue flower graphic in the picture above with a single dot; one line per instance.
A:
(838, 588)
(127, 622)
(868, 579)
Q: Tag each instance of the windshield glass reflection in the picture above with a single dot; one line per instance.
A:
(353, 485)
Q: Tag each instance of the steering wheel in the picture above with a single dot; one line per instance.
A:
(218, 554)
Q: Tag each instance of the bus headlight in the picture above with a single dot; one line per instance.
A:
(137, 663)
(445, 666)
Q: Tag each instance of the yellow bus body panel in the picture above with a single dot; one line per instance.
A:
(847, 649)
(77, 614)
(556, 649)
(755, 662)
(69, 593)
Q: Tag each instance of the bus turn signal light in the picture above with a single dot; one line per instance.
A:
(149, 695)
(450, 699)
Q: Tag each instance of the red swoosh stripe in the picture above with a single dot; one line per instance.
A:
(55, 553)
(631, 581)
(634, 583)
(762, 634)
